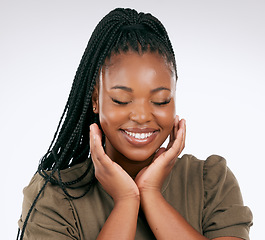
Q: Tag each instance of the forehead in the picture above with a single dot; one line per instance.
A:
(125, 67)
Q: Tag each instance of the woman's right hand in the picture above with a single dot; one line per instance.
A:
(114, 179)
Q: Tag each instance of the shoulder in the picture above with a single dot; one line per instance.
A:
(35, 185)
(187, 180)
(212, 160)
(204, 178)
(211, 172)
(216, 164)
(211, 163)
(216, 174)
(193, 165)
(224, 213)
(54, 213)
(212, 185)
(55, 192)
(49, 201)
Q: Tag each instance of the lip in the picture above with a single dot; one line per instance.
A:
(139, 142)
(140, 130)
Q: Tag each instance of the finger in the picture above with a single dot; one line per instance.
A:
(177, 123)
(92, 143)
(178, 145)
(94, 132)
(171, 139)
(184, 134)
(97, 151)
(173, 132)
(182, 128)
(98, 131)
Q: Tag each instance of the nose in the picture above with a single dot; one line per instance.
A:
(141, 113)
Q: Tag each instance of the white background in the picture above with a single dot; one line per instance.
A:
(219, 46)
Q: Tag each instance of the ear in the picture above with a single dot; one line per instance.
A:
(95, 99)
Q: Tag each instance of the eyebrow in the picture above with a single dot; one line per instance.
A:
(127, 89)
(160, 89)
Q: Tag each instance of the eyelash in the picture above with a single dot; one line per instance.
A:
(162, 103)
(156, 103)
(119, 102)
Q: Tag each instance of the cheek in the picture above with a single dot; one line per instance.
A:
(111, 116)
(166, 116)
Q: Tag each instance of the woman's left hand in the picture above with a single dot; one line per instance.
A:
(152, 177)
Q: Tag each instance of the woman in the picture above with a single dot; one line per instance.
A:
(105, 175)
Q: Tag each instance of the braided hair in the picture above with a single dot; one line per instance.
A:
(121, 30)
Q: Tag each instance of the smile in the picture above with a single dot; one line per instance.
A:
(139, 135)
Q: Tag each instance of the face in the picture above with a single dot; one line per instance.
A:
(135, 100)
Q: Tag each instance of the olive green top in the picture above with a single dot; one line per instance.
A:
(205, 193)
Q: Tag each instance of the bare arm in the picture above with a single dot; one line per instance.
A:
(122, 222)
(164, 220)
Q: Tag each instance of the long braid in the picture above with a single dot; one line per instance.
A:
(79, 97)
(119, 31)
(62, 185)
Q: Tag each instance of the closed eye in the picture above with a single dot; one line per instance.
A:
(119, 102)
(162, 103)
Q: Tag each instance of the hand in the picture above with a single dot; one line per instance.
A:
(152, 177)
(118, 184)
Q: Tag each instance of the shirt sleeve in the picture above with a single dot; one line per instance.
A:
(224, 213)
(52, 217)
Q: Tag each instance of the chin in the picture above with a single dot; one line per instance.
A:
(139, 156)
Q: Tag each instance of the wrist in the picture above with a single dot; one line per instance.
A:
(151, 198)
(149, 191)
(127, 201)
(148, 195)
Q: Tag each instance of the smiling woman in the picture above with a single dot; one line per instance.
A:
(135, 102)
(105, 175)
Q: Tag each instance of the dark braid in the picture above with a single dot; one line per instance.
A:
(121, 30)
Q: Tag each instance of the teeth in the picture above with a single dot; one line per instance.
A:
(139, 135)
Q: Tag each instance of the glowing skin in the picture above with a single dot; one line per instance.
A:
(135, 100)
